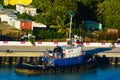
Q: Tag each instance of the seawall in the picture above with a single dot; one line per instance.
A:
(16, 54)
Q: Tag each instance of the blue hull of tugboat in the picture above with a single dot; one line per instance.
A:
(58, 65)
(67, 61)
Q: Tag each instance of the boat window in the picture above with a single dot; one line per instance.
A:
(68, 47)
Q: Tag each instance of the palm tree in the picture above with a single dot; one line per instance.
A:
(61, 26)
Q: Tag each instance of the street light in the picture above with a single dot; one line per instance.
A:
(71, 14)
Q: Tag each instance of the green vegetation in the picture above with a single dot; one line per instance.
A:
(109, 13)
(55, 14)
(24, 16)
(1, 2)
(6, 6)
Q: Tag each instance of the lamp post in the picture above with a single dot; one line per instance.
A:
(71, 14)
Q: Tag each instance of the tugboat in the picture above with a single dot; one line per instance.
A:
(64, 58)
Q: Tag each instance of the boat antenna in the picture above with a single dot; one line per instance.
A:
(71, 14)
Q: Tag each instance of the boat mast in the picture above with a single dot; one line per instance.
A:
(71, 14)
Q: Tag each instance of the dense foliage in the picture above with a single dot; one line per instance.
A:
(1, 2)
(7, 6)
(109, 13)
(56, 13)
(24, 16)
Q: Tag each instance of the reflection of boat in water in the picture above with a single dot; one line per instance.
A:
(65, 58)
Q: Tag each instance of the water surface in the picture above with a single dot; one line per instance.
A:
(102, 73)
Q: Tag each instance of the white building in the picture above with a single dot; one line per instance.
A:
(18, 24)
(15, 23)
(7, 15)
(4, 17)
(26, 9)
(7, 18)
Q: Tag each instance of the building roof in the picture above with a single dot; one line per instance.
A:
(38, 24)
(7, 11)
(92, 24)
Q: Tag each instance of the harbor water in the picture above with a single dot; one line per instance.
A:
(101, 73)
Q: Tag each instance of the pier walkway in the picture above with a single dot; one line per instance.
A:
(16, 54)
(108, 52)
(22, 51)
(11, 54)
(37, 50)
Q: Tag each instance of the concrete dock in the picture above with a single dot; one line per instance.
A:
(112, 54)
(26, 53)
(37, 50)
(22, 51)
(16, 54)
(108, 52)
